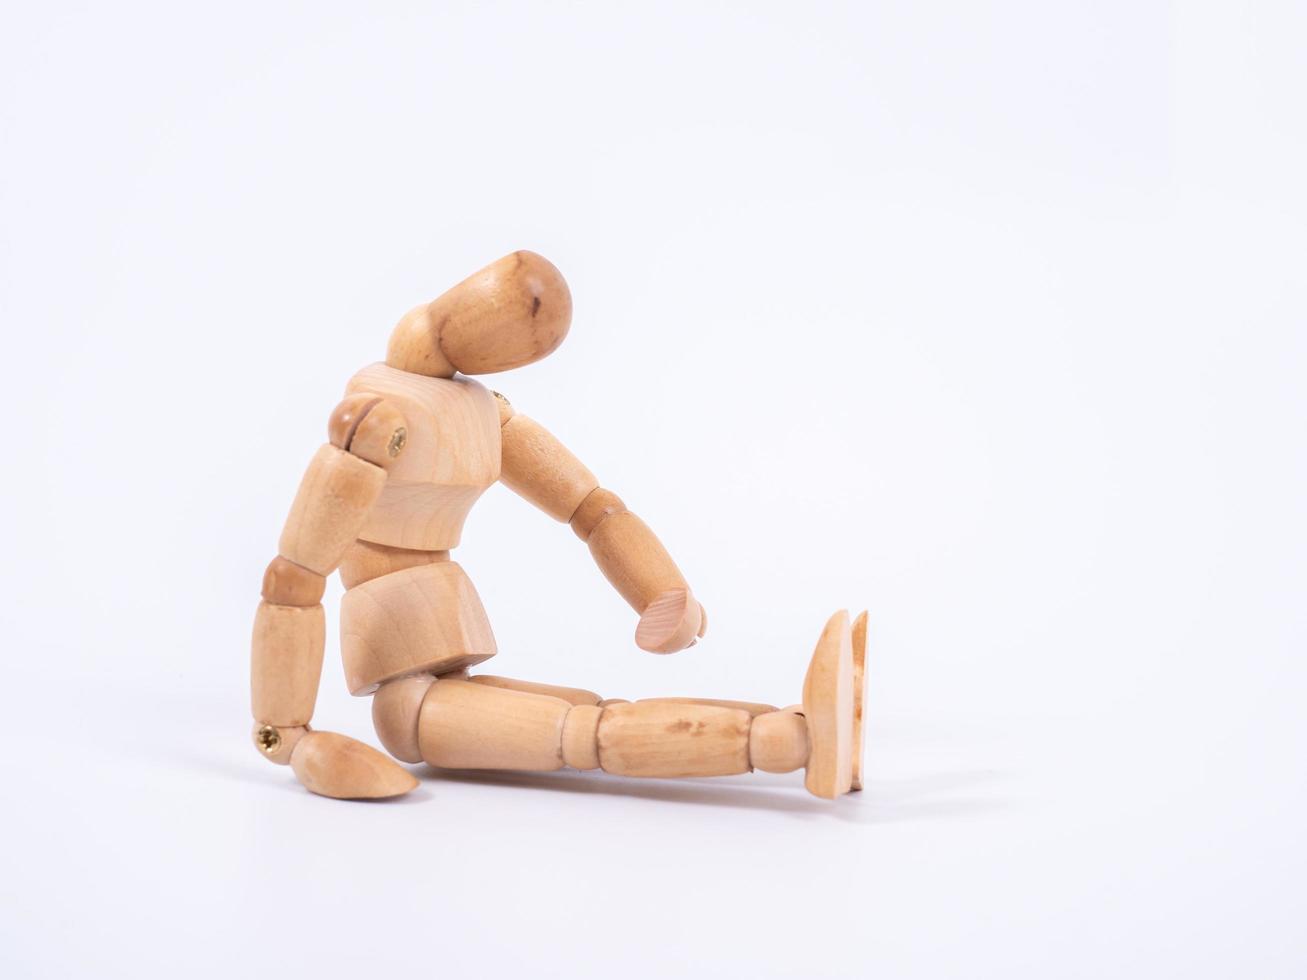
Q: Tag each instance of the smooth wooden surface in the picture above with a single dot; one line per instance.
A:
(828, 707)
(859, 696)
(514, 311)
(381, 435)
(286, 663)
(334, 499)
(598, 506)
(539, 468)
(345, 418)
(451, 455)
(288, 584)
(580, 736)
(753, 707)
(338, 766)
(414, 345)
(634, 560)
(673, 740)
(669, 623)
(475, 726)
(426, 619)
(395, 710)
(572, 695)
(778, 741)
(366, 560)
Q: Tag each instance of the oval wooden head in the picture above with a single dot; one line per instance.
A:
(511, 313)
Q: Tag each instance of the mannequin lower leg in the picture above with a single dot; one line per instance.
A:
(456, 722)
(470, 725)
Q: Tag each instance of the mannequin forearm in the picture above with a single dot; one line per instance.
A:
(541, 469)
(625, 549)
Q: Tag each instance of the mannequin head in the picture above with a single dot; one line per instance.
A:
(511, 313)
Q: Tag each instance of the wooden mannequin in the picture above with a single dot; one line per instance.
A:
(412, 446)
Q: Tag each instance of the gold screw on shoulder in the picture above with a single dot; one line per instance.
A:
(268, 739)
(397, 441)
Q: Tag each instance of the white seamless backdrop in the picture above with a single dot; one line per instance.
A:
(988, 317)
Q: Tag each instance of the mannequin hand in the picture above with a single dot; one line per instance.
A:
(334, 765)
(673, 621)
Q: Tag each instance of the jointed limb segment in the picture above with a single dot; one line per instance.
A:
(463, 725)
(659, 738)
(538, 467)
(505, 724)
(500, 723)
(339, 489)
(334, 499)
(541, 469)
(572, 695)
(288, 584)
(286, 663)
(643, 573)
(753, 707)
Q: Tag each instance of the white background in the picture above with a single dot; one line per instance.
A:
(990, 317)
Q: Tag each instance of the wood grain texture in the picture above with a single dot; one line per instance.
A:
(425, 619)
(539, 468)
(598, 506)
(669, 623)
(572, 695)
(512, 312)
(334, 499)
(859, 696)
(828, 707)
(475, 726)
(414, 346)
(366, 560)
(673, 740)
(346, 416)
(634, 560)
(338, 766)
(395, 710)
(778, 741)
(286, 663)
(753, 707)
(580, 736)
(451, 455)
(381, 435)
(288, 584)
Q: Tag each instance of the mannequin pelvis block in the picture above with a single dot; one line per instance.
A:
(660, 738)
(475, 726)
(426, 619)
(451, 455)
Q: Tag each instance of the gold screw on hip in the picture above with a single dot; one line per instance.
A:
(268, 739)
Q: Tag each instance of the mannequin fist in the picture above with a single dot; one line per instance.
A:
(673, 621)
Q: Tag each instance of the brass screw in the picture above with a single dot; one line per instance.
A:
(268, 739)
(397, 441)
